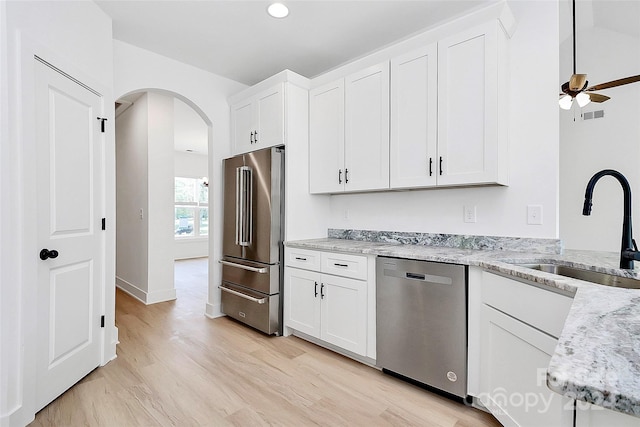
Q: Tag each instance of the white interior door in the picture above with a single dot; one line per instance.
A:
(69, 187)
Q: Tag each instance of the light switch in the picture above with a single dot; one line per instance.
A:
(534, 214)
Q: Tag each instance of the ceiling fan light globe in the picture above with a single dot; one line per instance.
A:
(583, 99)
(565, 102)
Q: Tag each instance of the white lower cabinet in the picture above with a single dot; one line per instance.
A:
(332, 308)
(588, 415)
(519, 325)
(343, 313)
(514, 363)
(302, 307)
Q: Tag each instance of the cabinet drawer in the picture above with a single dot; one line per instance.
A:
(354, 266)
(542, 309)
(302, 258)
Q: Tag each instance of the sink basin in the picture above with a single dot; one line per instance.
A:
(587, 275)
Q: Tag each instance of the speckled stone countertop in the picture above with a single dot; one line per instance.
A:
(597, 359)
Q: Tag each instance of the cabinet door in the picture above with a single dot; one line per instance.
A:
(468, 106)
(326, 138)
(588, 415)
(269, 128)
(344, 313)
(242, 126)
(367, 129)
(514, 360)
(302, 301)
(414, 104)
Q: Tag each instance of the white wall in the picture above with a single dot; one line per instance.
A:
(191, 165)
(612, 142)
(76, 37)
(138, 69)
(533, 145)
(132, 145)
(161, 198)
(145, 164)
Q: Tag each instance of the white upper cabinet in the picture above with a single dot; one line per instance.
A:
(472, 143)
(446, 124)
(367, 129)
(414, 115)
(258, 122)
(349, 133)
(326, 138)
(437, 117)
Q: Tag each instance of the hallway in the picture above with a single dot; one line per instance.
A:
(177, 367)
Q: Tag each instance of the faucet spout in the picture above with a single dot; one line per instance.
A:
(628, 250)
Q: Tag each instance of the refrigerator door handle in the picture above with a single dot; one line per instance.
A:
(244, 267)
(244, 208)
(241, 295)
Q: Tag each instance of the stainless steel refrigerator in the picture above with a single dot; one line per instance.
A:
(252, 241)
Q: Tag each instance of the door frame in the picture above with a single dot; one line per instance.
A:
(27, 215)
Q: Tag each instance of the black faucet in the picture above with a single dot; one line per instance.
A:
(628, 250)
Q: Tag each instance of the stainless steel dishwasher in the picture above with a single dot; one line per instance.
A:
(421, 322)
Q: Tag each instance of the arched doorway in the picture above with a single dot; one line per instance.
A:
(162, 144)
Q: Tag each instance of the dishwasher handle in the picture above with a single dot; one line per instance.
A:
(429, 278)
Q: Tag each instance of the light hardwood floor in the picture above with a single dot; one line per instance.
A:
(177, 367)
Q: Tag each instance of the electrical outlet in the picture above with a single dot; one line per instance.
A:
(470, 214)
(534, 214)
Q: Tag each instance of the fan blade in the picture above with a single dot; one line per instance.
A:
(577, 82)
(596, 97)
(615, 83)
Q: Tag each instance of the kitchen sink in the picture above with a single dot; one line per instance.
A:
(587, 275)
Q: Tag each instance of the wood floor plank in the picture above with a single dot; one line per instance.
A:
(176, 367)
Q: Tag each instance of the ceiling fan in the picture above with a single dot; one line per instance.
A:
(577, 87)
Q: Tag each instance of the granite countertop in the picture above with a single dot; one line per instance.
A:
(597, 358)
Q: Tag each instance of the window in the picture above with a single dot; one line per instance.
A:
(191, 207)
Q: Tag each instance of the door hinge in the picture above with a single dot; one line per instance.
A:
(104, 223)
(102, 120)
(102, 321)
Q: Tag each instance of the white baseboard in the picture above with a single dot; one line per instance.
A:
(131, 289)
(143, 296)
(161, 296)
(213, 310)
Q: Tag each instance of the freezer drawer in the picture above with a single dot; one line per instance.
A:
(252, 308)
(260, 277)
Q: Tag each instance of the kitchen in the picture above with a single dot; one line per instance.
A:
(500, 210)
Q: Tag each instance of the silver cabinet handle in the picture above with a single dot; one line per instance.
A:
(241, 295)
(244, 267)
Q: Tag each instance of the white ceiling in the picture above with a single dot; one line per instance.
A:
(238, 40)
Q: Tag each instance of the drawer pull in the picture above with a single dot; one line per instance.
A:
(340, 265)
(244, 267)
(300, 259)
(241, 295)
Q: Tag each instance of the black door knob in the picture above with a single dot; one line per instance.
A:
(46, 253)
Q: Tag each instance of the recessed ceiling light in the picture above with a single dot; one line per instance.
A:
(278, 10)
